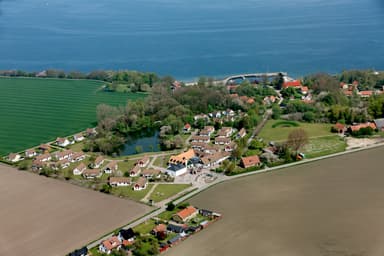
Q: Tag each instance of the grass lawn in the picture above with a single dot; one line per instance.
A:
(37, 110)
(324, 146)
(280, 133)
(162, 161)
(145, 227)
(77, 146)
(130, 193)
(164, 191)
(125, 165)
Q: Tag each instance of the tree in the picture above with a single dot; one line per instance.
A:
(297, 139)
(170, 206)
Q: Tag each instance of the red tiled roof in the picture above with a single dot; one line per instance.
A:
(295, 83)
(250, 161)
(359, 126)
(185, 213)
(111, 243)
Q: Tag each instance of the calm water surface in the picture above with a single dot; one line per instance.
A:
(191, 38)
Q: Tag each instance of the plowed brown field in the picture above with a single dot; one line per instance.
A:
(41, 216)
(333, 207)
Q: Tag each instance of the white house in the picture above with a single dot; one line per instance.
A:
(14, 157)
(78, 156)
(140, 184)
(61, 155)
(44, 157)
(79, 169)
(110, 167)
(98, 162)
(30, 153)
(120, 181)
(110, 244)
(78, 137)
(175, 170)
(143, 162)
(92, 173)
(62, 142)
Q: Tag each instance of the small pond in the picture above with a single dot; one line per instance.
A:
(140, 142)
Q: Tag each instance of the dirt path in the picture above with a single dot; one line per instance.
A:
(145, 199)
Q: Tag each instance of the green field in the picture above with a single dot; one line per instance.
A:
(35, 111)
(164, 191)
(280, 133)
(324, 146)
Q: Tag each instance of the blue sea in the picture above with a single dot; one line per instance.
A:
(191, 38)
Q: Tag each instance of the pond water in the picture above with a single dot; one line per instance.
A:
(144, 141)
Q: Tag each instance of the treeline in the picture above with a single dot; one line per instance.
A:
(126, 76)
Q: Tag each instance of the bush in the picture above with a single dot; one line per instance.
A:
(171, 206)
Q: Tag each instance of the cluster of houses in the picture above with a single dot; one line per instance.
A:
(377, 124)
(208, 148)
(228, 115)
(167, 232)
(351, 89)
(303, 90)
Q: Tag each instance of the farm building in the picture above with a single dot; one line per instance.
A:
(185, 214)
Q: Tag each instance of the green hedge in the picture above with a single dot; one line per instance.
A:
(285, 123)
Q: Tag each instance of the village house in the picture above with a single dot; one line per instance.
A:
(62, 142)
(44, 157)
(79, 169)
(203, 139)
(78, 137)
(62, 164)
(357, 127)
(98, 162)
(78, 156)
(201, 116)
(61, 155)
(198, 145)
(241, 133)
(91, 132)
(112, 243)
(178, 164)
(222, 140)
(365, 94)
(225, 132)
(230, 147)
(340, 128)
(210, 129)
(250, 161)
(185, 214)
(92, 173)
(143, 162)
(140, 184)
(14, 158)
(187, 127)
(178, 229)
(159, 230)
(295, 84)
(44, 147)
(30, 153)
(38, 165)
(120, 181)
(111, 167)
(214, 159)
(126, 236)
(182, 158)
(134, 172)
(151, 173)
